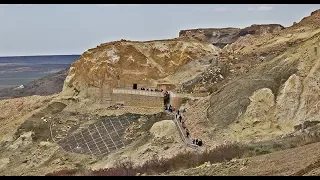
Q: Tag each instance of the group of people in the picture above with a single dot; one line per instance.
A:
(181, 120)
(156, 90)
(170, 108)
(197, 142)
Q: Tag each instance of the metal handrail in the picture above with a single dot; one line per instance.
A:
(193, 146)
(136, 91)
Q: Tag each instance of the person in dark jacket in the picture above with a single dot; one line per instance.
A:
(187, 132)
(196, 141)
(193, 141)
(200, 142)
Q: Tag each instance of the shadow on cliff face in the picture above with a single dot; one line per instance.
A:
(233, 98)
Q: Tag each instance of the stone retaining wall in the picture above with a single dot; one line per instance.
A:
(138, 100)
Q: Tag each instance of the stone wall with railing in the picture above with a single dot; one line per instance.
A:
(136, 97)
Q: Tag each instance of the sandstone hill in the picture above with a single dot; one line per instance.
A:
(264, 92)
(278, 91)
(122, 63)
(223, 36)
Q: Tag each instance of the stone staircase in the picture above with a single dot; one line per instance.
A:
(187, 142)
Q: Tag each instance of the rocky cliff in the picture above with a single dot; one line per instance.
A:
(121, 63)
(269, 92)
(223, 36)
(281, 89)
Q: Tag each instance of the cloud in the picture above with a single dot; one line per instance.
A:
(117, 5)
(261, 8)
(220, 9)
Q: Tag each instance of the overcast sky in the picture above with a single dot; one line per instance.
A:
(71, 29)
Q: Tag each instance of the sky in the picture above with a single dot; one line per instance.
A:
(49, 29)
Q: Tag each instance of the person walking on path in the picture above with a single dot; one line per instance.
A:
(184, 125)
(187, 132)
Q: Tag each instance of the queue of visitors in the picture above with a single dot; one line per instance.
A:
(155, 90)
(179, 117)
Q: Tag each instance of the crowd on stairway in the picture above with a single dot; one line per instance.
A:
(180, 116)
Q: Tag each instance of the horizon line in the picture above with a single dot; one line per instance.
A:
(40, 55)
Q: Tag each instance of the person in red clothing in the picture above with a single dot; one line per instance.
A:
(184, 125)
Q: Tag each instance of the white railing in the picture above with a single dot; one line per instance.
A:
(180, 131)
(147, 93)
(136, 92)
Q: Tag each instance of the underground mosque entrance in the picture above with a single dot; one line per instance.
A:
(135, 86)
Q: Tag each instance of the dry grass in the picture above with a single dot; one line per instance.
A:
(181, 161)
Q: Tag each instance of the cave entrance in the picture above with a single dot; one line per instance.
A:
(135, 86)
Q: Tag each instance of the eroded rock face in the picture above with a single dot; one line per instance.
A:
(261, 102)
(163, 132)
(287, 101)
(295, 106)
(121, 63)
(309, 98)
(291, 74)
(217, 36)
(222, 36)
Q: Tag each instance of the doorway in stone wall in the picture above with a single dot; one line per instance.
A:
(135, 86)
